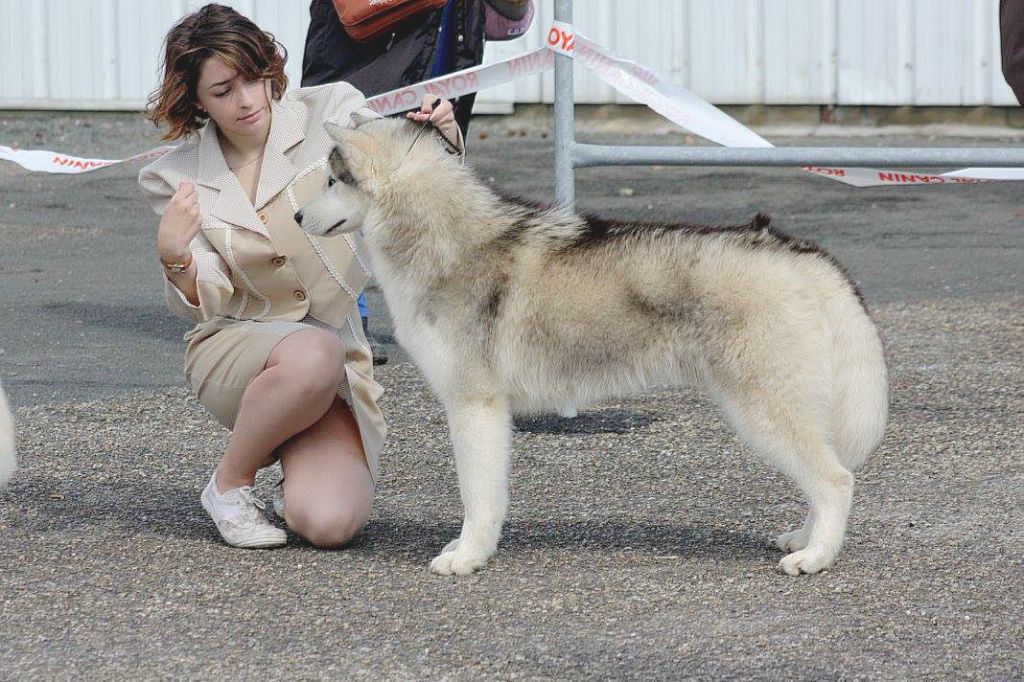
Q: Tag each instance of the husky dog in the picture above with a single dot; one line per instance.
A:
(8, 457)
(509, 308)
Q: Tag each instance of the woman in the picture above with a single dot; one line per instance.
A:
(275, 354)
(435, 43)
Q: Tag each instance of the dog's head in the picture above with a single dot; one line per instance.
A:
(370, 159)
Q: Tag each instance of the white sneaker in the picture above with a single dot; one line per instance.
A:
(238, 514)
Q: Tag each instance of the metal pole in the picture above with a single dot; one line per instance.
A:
(565, 135)
(585, 155)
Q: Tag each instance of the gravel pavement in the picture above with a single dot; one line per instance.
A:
(638, 540)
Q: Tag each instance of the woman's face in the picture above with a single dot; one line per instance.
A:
(238, 106)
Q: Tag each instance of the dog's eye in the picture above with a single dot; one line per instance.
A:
(347, 178)
(331, 181)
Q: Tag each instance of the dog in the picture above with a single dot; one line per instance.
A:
(8, 453)
(512, 308)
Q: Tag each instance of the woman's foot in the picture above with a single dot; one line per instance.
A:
(238, 514)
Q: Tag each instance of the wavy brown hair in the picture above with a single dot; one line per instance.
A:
(213, 31)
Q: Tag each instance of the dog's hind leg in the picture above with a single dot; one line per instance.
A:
(787, 434)
(481, 434)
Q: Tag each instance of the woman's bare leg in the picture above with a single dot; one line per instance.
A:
(293, 392)
(328, 491)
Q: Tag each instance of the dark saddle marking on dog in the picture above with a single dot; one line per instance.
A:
(759, 233)
(597, 231)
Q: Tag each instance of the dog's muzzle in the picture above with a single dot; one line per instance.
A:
(336, 225)
(332, 228)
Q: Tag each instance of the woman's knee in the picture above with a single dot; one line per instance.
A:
(328, 527)
(312, 360)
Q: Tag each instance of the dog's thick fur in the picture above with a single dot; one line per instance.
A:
(8, 456)
(509, 308)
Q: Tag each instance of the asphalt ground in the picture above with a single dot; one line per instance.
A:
(638, 543)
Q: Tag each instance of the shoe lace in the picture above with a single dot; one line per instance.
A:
(251, 507)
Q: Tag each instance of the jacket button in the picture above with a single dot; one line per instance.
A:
(299, 294)
(263, 218)
(278, 261)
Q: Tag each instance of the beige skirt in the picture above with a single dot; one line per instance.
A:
(224, 355)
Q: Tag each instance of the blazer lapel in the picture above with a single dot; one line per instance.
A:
(287, 129)
(232, 206)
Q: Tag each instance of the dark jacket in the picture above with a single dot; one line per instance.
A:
(1011, 30)
(401, 57)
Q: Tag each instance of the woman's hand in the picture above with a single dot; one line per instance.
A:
(443, 117)
(180, 223)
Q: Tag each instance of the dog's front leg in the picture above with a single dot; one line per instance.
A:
(481, 435)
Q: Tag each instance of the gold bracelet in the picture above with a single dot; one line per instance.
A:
(178, 268)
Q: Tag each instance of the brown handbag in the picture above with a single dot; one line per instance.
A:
(366, 19)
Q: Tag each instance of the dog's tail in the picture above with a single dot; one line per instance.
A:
(8, 456)
(861, 406)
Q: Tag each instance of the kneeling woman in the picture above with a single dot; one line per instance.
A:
(276, 355)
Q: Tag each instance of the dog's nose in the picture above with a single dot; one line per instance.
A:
(298, 217)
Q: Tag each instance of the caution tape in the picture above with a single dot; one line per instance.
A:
(638, 82)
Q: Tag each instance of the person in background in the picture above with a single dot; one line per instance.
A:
(1011, 29)
(430, 44)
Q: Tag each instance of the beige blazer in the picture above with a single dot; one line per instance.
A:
(253, 262)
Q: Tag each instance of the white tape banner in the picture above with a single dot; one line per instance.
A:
(689, 111)
(871, 177)
(464, 82)
(643, 85)
(55, 162)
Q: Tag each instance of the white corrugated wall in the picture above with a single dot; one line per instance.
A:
(104, 53)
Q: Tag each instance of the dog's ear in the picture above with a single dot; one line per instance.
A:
(359, 118)
(354, 150)
(336, 130)
(347, 138)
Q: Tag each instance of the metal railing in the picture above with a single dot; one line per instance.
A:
(570, 154)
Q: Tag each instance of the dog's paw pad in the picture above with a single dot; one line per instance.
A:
(456, 563)
(805, 561)
(793, 541)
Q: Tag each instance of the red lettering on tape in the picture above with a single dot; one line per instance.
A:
(561, 39)
(530, 63)
(404, 99)
(911, 179)
(822, 170)
(83, 164)
(644, 75)
(450, 87)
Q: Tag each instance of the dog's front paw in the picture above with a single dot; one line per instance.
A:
(805, 561)
(458, 561)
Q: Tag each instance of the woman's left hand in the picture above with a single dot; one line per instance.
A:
(443, 117)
